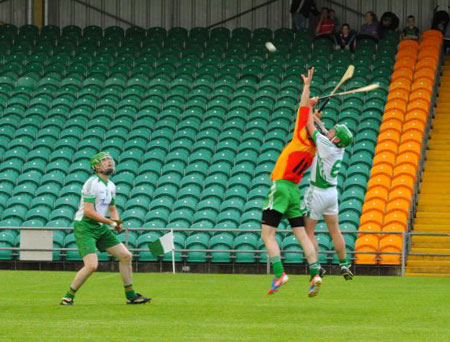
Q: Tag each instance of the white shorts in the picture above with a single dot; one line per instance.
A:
(318, 202)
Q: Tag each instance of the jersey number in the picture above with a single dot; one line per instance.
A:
(335, 169)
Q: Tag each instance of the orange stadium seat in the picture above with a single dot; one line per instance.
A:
(381, 168)
(420, 94)
(374, 217)
(400, 83)
(397, 104)
(406, 62)
(374, 204)
(426, 73)
(419, 104)
(398, 94)
(367, 243)
(414, 125)
(380, 180)
(397, 217)
(377, 192)
(432, 34)
(410, 146)
(391, 125)
(403, 181)
(394, 113)
(407, 158)
(402, 72)
(411, 136)
(416, 115)
(389, 146)
(422, 83)
(409, 52)
(407, 44)
(404, 169)
(391, 243)
(430, 53)
(427, 62)
(401, 192)
(389, 135)
(398, 204)
(385, 158)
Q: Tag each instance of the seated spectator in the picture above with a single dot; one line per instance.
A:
(325, 26)
(345, 39)
(411, 31)
(388, 22)
(370, 28)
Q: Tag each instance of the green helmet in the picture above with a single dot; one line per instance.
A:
(101, 158)
(344, 135)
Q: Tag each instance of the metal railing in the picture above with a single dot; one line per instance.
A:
(402, 253)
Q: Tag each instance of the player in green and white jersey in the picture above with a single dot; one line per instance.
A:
(321, 198)
(91, 230)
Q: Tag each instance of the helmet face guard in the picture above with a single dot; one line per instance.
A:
(106, 163)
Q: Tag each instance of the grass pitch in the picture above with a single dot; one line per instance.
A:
(200, 307)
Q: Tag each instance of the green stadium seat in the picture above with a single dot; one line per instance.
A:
(293, 252)
(197, 241)
(247, 242)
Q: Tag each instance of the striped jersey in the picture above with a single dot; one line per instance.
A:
(102, 194)
(326, 163)
(297, 156)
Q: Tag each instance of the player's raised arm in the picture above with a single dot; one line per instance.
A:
(304, 100)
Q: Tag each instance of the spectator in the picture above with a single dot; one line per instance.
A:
(388, 22)
(345, 39)
(411, 31)
(325, 26)
(440, 23)
(333, 17)
(370, 28)
(300, 10)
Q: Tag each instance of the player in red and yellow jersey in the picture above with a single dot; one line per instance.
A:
(284, 196)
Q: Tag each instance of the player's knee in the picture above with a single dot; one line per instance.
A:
(91, 267)
(126, 256)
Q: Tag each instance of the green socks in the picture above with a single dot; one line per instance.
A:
(129, 292)
(278, 268)
(314, 269)
(71, 293)
(343, 262)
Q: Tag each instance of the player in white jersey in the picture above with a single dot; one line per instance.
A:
(321, 198)
(91, 230)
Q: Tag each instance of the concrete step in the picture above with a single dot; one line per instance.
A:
(433, 189)
(432, 242)
(433, 207)
(438, 155)
(412, 274)
(431, 214)
(438, 263)
(444, 251)
(427, 258)
(437, 221)
(441, 197)
(431, 228)
(443, 177)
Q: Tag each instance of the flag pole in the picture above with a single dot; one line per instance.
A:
(173, 256)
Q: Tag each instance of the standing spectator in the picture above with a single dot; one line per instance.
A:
(345, 39)
(300, 10)
(370, 28)
(325, 26)
(333, 17)
(411, 31)
(388, 22)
